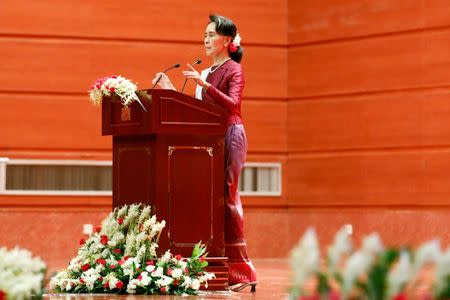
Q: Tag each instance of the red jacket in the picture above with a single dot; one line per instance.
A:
(227, 83)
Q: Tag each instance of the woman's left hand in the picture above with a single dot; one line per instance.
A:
(193, 74)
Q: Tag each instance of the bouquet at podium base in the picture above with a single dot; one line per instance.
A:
(120, 257)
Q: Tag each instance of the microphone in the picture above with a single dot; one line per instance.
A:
(197, 62)
(169, 68)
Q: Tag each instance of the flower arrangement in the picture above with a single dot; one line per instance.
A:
(21, 274)
(120, 257)
(371, 272)
(117, 84)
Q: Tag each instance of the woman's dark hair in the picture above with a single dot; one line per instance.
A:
(226, 27)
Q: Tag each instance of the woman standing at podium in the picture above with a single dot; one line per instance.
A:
(223, 84)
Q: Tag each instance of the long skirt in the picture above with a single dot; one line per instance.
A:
(241, 268)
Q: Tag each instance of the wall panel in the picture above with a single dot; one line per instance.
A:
(387, 120)
(321, 20)
(76, 123)
(394, 62)
(406, 178)
(140, 19)
(54, 65)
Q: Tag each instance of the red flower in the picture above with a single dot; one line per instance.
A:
(98, 228)
(2, 295)
(400, 297)
(82, 241)
(139, 277)
(119, 220)
(126, 258)
(175, 282)
(101, 261)
(186, 271)
(118, 251)
(119, 284)
(178, 257)
(104, 239)
(121, 262)
(150, 263)
(202, 259)
(100, 279)
(163, 289)
(233, 47)
(85, 267)
(169, 272)
(82, 280)
(112, 266)
(106, 285)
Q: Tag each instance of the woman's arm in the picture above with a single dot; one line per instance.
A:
(231, 100)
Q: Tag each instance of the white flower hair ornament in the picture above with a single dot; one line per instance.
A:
(235, 44)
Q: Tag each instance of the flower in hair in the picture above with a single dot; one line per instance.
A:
(237, 40)
(235, 44)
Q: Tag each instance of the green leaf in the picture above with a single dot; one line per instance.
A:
(323, 288)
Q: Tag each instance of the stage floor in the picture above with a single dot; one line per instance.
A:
(273, 283)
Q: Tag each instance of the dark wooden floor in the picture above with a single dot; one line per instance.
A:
(273, 283)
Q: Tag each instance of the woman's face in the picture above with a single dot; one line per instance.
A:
(215, 44)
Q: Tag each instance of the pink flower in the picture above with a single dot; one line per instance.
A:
(202, 259)
(121, 262)
(118, 251)
(112, 266)
(82, 280)
(85, 267)
(169, 272)
(233, 47)
(101, 261)
(139, 277)
(119, 220)
(150, 263)
(178, 257)
(163, 289)
(400, 297)
(119, 284)
(104, 239)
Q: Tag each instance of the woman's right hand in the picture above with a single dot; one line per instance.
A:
(164, 82)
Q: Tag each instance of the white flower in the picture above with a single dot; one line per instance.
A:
(399, 276)
(21, 275)
(164, 281)
(342, 245)
(305, 258)
(149, 268)
(112, 280)
(357, 265)
(145, 278)
(237, 40)
(442, 271)
(372, 244)
(428, 252)
(166, 257)
(158, 272)
(195, 285)
(176, 273)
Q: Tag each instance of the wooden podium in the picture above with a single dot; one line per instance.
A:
(171, 156)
